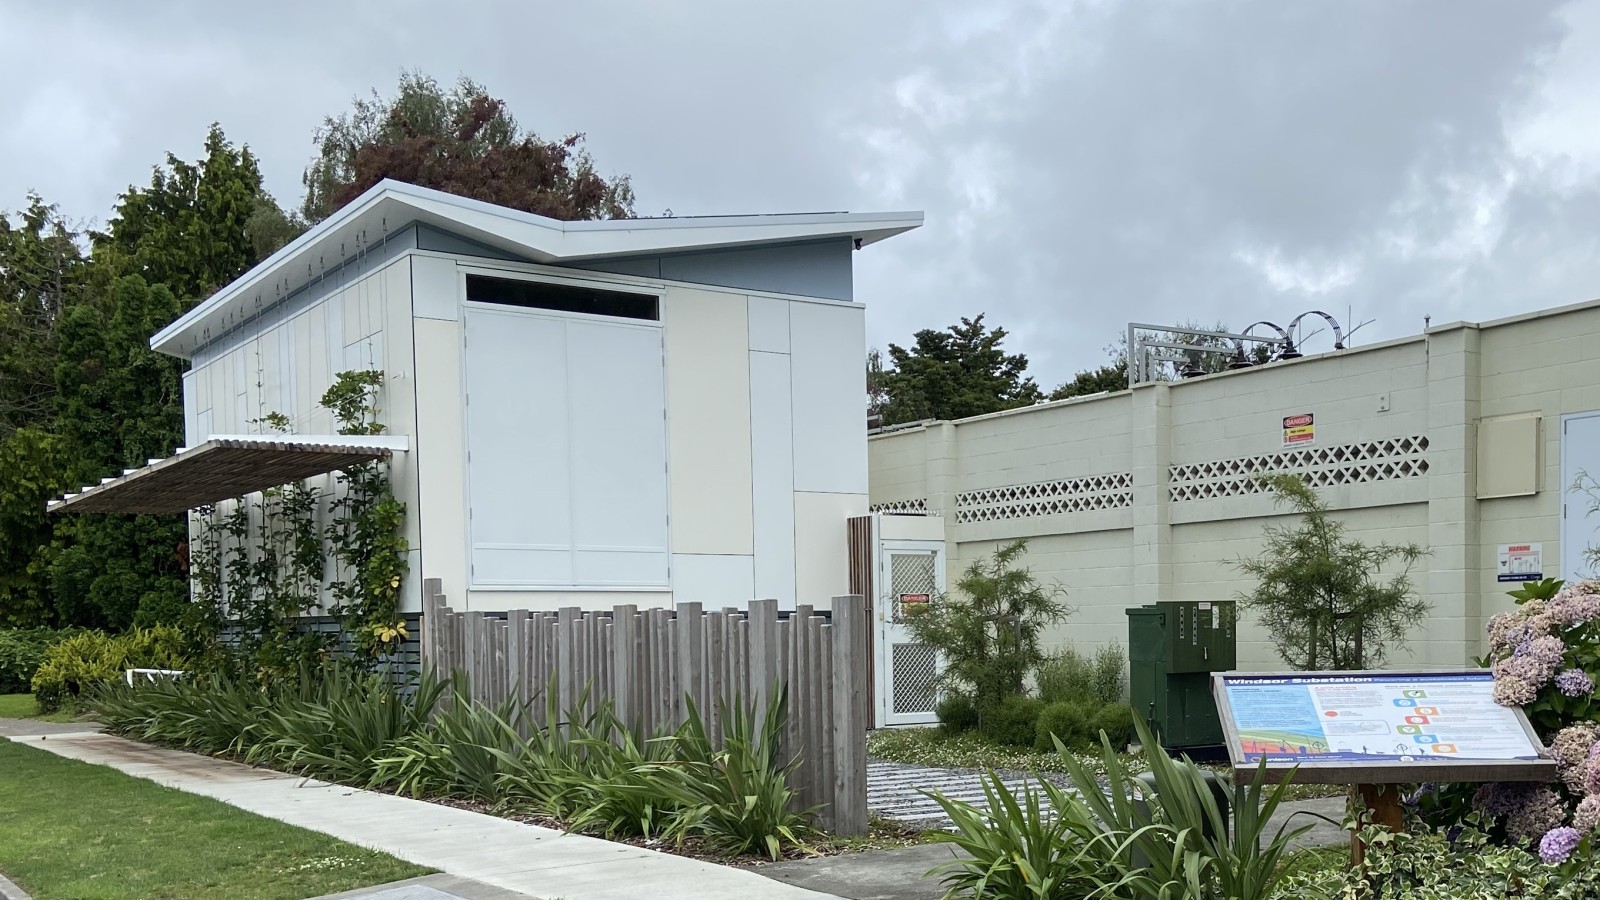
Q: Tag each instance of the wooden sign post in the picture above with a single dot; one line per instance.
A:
(1375, 731)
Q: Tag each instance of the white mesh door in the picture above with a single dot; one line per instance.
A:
(913, 576)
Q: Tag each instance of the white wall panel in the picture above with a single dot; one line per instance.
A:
(566, 464)
(821, 538)
(772, 476)
(618, 437)
(441, 456)
(827, 346)
(708, 392)
(191, 400)
(517, 441)
(713, 581)
(436, 286)
(769, 324)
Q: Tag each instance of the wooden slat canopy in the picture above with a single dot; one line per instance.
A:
(224, 467)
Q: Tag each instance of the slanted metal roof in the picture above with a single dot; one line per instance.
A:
(389, 206)
(225, 467)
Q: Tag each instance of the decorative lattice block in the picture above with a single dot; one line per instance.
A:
(1357, 463)
(1046, 498)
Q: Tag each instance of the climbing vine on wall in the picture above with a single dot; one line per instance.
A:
(263, 565)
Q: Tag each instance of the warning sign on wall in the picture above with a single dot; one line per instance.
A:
(1521, 562)
(1299, 430)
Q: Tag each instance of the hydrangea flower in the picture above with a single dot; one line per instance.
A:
(1509, 690)
(1558, 844)
(1572, 749)
(1591, 777)
(1571, 608)
(1536, 810)
(1587, 815)
(1575, 683)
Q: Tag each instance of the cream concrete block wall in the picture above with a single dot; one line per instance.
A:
(1067, 439)
(1547, 365)
(1193, 448)
(708, 421)
(898, 466)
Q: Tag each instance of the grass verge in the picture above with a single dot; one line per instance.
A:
(73, 830)
(22, 706)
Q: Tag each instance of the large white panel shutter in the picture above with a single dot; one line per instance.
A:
(566, 442)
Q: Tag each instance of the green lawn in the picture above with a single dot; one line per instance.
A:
(21, 706)
(72, 830)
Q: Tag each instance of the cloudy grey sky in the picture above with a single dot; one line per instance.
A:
(1080, 163)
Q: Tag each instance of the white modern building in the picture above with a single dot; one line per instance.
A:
(1465, 439)
(577, 413)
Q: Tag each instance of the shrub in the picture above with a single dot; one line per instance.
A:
(1083, 843)
(1013, 721)
(1068, 675)
(958, 713)
(987, 630)
(585, 769)
(1110, 674)
(22, 651)
(91, 658)
(1065, 676)
(739, 796)
(1115, 721)
(1071, 721)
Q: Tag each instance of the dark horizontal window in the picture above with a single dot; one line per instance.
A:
(561, 297)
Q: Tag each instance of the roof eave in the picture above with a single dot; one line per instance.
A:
(390, 206)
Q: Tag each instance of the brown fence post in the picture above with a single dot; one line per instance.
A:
(849, 720)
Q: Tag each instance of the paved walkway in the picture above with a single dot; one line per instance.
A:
(539, 862)
(895, 791)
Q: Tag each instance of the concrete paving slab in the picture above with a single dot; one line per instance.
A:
(525, 859)
(898, 874)
(27, 727)
(429, 887)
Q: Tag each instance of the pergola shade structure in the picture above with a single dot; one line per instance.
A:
(225, 467)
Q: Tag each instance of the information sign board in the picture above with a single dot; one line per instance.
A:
(1377, 727)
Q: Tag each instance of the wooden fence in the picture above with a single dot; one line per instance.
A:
(646, 662)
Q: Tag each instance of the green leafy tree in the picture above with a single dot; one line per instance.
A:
(954, 373)
(41, 273)
(120, 406)
(1322, 596)
(462, 141)
(987, 630)
(119, 403)
(1093, 381)
(190, 229)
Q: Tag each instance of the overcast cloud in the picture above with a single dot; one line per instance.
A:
(1080, 164)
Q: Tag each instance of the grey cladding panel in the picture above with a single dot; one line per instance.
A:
(810, 269)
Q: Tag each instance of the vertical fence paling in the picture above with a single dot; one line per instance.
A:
(650, 664)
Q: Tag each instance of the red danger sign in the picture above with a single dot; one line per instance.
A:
(1299, 430)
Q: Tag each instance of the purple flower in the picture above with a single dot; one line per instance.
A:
(1587, 815)
(1558, 844)
(1536, 810)
(1575, 683)
(1572, 748)
(1509, 690)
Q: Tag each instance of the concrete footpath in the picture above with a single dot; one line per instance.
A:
(539, 862)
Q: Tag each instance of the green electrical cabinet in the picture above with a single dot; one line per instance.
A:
(1173, 647)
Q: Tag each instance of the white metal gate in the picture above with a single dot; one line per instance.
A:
(1580, 455)
(908, 573)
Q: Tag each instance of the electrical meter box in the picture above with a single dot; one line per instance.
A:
(1173, 647)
